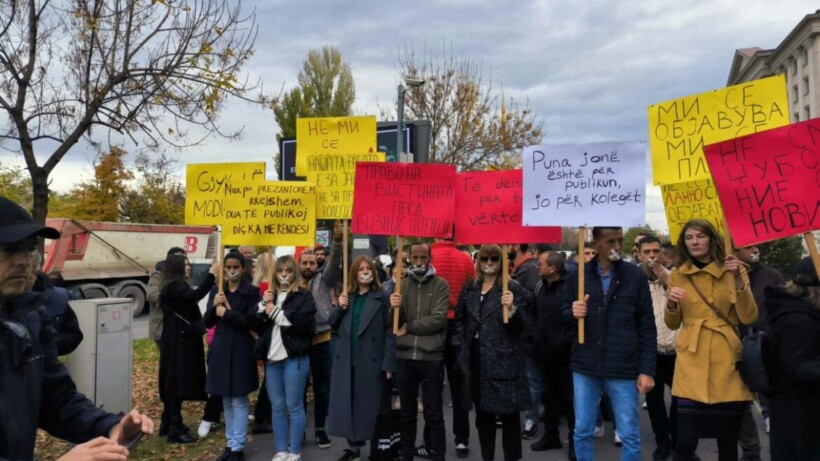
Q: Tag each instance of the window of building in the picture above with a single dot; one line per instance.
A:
(806, 85)
(795, 93)
(796, 117)
(794, 66)
(806, 112)
(805, 55)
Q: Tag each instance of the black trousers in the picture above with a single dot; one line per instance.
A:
(430, 374)
(213, 408)
(557, 396)
(663, 423)
(461, 416)
(263, 411)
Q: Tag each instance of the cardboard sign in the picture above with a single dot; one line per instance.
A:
(769, 183)
(334, 176)
(680, 128)
(272, 213)
(489, 210)
(333, 135)
(407, 199)
(210, 186)
(585, 184)
(691, 200)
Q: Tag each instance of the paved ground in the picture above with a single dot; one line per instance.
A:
(261, 447)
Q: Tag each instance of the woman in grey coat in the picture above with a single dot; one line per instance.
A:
(491, 354)
(363, 358)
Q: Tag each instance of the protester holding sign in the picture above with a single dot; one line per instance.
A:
(711, 396)
(618, 356)
(492, 354)
(231, 366)
(289, 324)
(420, 350)
(794, 346)
(365, 357)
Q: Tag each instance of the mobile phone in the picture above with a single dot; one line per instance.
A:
(135, 441)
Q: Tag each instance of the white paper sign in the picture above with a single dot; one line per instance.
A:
(600, 184)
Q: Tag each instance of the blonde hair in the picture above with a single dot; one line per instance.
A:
(353, 278)
(287, 261)
(263, 267)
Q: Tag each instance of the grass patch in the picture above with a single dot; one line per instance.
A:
(145, 397)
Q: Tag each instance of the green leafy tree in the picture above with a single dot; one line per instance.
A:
(15, 185)
(158, 197)
(781, 254)
(154, 72)
(326, 89)
(99, 199)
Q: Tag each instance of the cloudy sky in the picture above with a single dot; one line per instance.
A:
(589, 69)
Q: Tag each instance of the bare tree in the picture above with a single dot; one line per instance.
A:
(153, 71)
(470, 127)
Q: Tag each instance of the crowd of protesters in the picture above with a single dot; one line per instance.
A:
(672, 317)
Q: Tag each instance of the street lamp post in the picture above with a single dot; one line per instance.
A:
(402, 90)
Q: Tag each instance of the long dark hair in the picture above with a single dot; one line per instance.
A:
(174, 269)
(717, 252)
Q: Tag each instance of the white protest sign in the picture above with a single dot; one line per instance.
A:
(600, 184)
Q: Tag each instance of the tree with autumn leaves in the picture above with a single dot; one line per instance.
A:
(152, 72)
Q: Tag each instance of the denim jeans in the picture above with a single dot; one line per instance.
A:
(321, 362)
(286, 385)
(534, 380)
(236, 421)
(623, 393)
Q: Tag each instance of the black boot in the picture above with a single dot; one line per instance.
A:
(226, 454)
(237, 456)
(163, 425)
(571, 454)
(177, 432)
(548, 442)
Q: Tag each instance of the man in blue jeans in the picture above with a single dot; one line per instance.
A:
(618, 354)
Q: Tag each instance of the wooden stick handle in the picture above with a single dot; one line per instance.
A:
(815, 257)
(271, 270)
(221, 276)
(397, 268)
(727, 242)
(582, 238)
(505, 283)
(344, 256)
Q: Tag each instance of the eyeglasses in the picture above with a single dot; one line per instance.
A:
(494, 259)
(21, 343)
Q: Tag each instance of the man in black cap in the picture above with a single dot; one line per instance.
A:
(37, 390)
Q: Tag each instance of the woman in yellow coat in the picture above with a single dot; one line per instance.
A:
(710, 397)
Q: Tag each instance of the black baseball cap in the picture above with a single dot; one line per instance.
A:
(16, 224)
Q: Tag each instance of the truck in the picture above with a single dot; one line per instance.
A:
(106, 259)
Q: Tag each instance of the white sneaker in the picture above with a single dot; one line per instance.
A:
(599, 431)
(618, 442)
(766, 423)
(281, 456)
(529, 424)
(294, 457)
(204, 428)
(251, 418)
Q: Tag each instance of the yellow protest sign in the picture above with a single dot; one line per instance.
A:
(680, 128)
(208, 186)
(333, 135)
(691, 200)
(272, 213)
(334, 176)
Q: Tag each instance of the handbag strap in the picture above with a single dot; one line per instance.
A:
(714, 308)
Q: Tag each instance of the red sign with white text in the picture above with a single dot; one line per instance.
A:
(769, 182)
(489, 210)
(405, 199)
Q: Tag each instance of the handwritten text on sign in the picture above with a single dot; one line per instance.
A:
(584, 184)
(209, 185)
(680, 128)
(333, 135)
(489, 210)
(273, 213)
(769, 183)
(334, 177)
(691, 200)
(416, 200)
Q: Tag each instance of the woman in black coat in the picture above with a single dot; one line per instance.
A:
(182, 355)
(492, 353)
(231, 365)
(794, 347)
(365, 354)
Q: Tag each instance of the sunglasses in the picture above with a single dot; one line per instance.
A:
(494, 259)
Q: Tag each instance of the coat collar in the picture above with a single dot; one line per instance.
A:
(713, 269)
(371, 308)
(243, 289)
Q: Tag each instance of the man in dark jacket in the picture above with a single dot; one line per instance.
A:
(552, 346)
(420, 342)
(618, 354)
(69, 335)
(761, 277)
(37, 390)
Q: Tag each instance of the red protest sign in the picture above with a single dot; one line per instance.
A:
(489, 210)
(769, 182)
(411, 199)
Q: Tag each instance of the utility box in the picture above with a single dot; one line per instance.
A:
(101, 365)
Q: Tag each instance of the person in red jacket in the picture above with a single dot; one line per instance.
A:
(456, 268)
